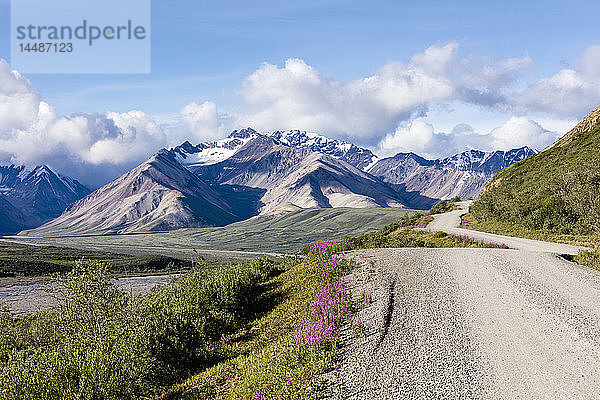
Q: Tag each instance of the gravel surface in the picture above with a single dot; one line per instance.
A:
(472, 323)
(450, 221)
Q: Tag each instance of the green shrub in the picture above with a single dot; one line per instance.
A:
(100, 343)
(556, 191)
(589, 258)
(85, 348)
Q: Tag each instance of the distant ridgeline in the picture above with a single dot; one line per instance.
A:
(557, 190)
(251, 173)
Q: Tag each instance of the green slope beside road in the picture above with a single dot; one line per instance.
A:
(554, 192)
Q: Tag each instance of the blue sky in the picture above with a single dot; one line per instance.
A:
(202, 50)
(208, 51)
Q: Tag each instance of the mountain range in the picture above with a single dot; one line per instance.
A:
(463, 175)
(249, 173)
(28, 198)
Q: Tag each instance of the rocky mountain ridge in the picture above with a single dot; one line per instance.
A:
(31, 197)
(249, 173)
(159, 194)
(463, 175)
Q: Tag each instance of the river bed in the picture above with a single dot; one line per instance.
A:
(30, 297)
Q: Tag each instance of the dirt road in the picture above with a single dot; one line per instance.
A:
(474, 323)
(450, 221)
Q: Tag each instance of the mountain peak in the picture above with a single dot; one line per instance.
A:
(463, 174)
(39, 194)
(43, 171)
(358, 157)
(158, 194)
(243, 133)
(214, 151)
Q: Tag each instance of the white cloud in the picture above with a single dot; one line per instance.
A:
(19, 101)
(383, 110)
(201, 121)
(518, 132)
(136, 136)
(416, 137)
(572, 92)
(439, 60)
(421, 138)
(297, 95)
(93, 148)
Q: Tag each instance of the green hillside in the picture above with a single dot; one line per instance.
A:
(556, 191)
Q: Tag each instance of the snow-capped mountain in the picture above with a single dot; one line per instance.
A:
(188, 186)
(249, 173)
(463, 175)
(359, 157)
(208, 153)
(294, 177)
(486, 162)
(37, 195)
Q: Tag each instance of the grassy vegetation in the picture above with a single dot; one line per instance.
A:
(102, 344)
(444, 206)
(286, 233)
(401, 234)
(589, 258)
(504, 228)
(22, 260)
(230, 332)
(271, 361)
(556, 191)
(553, 195)
(255, 329)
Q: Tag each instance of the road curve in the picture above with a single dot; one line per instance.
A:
(450, 221)
(472, 324)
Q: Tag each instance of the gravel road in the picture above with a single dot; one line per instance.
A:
(473, 323)
(450, 221)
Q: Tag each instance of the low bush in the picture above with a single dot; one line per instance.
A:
(589, 258)
(100, 343)
(444, 206)
(408, 237)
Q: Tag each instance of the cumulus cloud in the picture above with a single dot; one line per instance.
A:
(383, 111)
(19, 101)
(298, 96)
(128, 136)
(518, 132)
(200, 121)
(417, 136)
(420, 137)
(572, 92)
(93, 148)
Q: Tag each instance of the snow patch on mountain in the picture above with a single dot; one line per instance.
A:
(464, 174)
(359, 157)
(209, 153)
